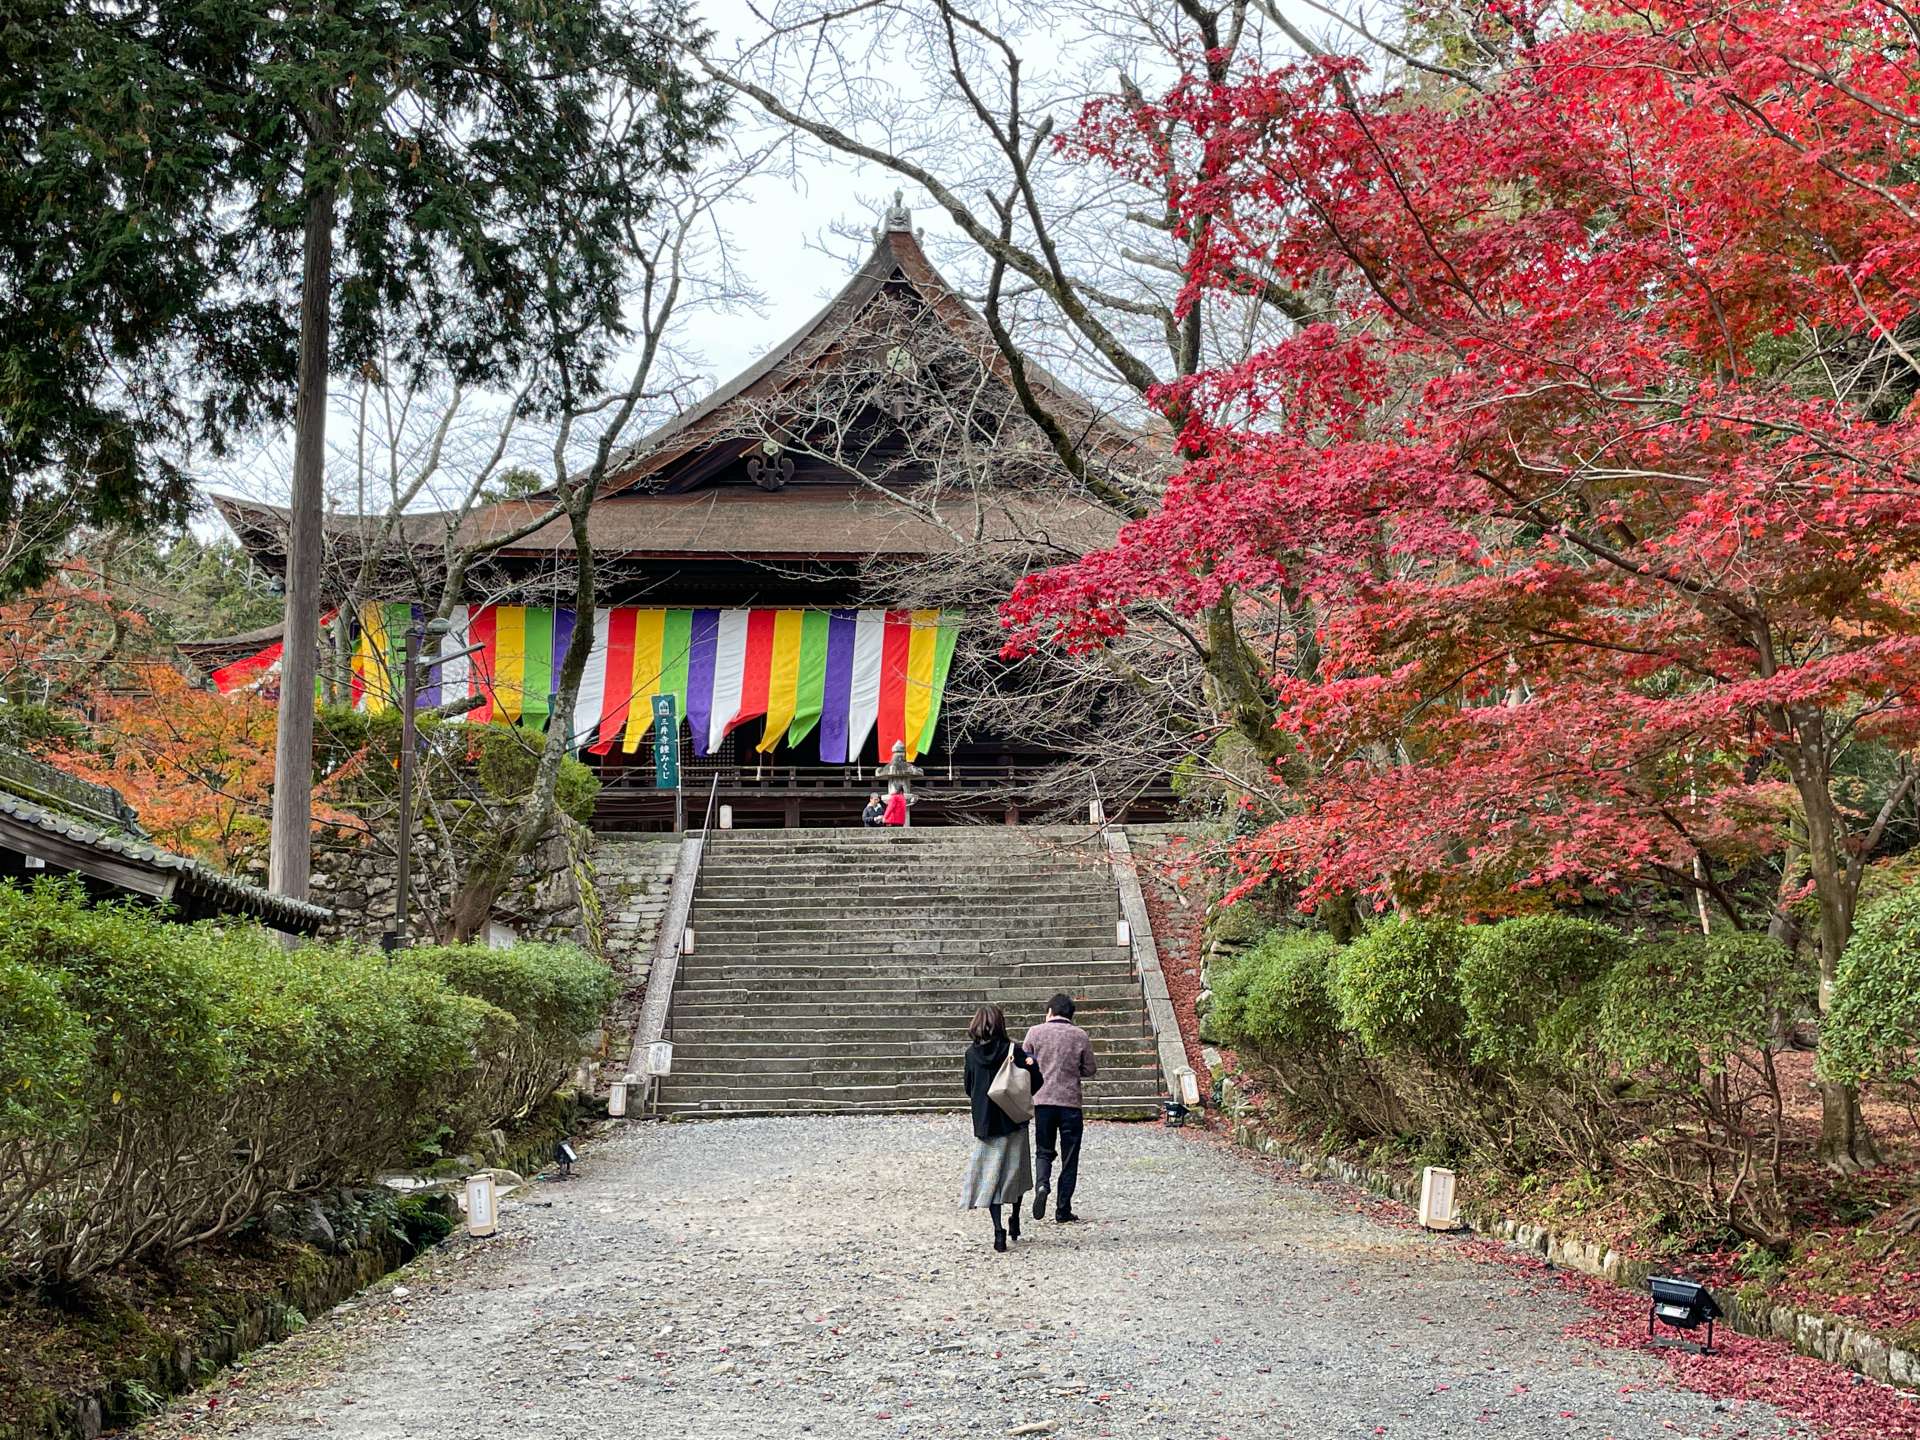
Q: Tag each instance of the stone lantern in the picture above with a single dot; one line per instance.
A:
(900, 775)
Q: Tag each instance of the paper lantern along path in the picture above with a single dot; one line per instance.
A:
(842, 673)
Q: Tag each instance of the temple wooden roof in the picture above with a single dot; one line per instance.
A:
(688, 488)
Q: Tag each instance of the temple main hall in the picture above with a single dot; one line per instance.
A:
(805, 561)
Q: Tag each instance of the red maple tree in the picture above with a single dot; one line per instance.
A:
(1598, 482)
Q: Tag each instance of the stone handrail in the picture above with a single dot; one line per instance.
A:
(657, 1006)
(1146, 958)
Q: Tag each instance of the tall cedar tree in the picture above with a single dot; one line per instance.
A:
(156, 160)
(1606, 500)
(226, 202)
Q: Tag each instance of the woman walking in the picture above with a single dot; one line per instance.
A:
(1001, 1170)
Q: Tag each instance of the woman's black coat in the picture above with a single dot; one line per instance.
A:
(983, 1063)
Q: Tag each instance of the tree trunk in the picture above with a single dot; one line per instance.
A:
(472, 905)
(1845, 1144)
(290, 853)
(1242, 694)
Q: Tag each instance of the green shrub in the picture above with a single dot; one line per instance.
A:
(1692, 1005)
(1396, 988)
(1692, 1025)
(541, 999)
(505, 758)
(1872, 1033)
(1276, 998)
(1527, 985)
(45, 1050)
(166, 1083)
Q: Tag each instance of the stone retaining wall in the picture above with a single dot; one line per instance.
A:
(551, 898)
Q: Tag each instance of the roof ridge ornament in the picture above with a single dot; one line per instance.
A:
(899, 217)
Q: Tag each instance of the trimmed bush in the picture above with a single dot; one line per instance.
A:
(44, 1051)
(1872, 1034)
(1276, 997)
(1693, 1006)
(542, 999)
(1691, 1023)
(167, 1083)
(1527, 986)
(1396, 988)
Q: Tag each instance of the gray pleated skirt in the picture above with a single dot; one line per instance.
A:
(1000, 1172)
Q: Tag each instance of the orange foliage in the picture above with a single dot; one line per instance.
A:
(195, 765)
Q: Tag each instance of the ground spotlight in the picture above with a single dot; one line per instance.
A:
(1684, 1305)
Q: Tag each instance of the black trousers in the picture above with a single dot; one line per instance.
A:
(1056, 1130)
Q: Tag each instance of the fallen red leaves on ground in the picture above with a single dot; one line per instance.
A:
(1832, 1402)
(1178, 931)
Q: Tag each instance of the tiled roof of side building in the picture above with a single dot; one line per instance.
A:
(73, 815)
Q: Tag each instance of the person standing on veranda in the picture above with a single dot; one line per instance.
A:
(1000, 1171)
(1065, 1056)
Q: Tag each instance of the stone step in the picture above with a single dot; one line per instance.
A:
(915, 987)
(872, 1045)
(797, 880)
(1136, 1070)
(1067, 963)
(950, 898)
(712, 1012)
(908, 984)
(944, 1090)
(837, 970)
(1135, 1107)
(856, 947)
(1009, 892)
(856, 938)
(1094, 995)
(763, 1033)
(1090, 910)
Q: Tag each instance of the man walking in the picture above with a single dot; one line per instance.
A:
(1065, 1056)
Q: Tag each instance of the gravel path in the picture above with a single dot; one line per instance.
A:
(811, 1277)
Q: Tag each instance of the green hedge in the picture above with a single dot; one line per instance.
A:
(164, 1084)
(1555, 1041)
(538, 1003)
(1872, 1034)
(1694, 1007)
(1276, 997)
(1528, 986)
(1396, 988)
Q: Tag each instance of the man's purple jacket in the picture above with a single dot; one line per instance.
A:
(1065, 1057)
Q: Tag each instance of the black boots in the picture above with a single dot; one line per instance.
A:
(999, 1230)
(1013, 1221)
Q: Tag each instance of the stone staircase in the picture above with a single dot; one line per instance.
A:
(836, 970)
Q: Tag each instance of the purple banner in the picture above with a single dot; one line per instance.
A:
(562, 637)
(703, 645)
(839, 688)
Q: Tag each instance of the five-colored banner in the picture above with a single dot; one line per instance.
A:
(846, 674)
